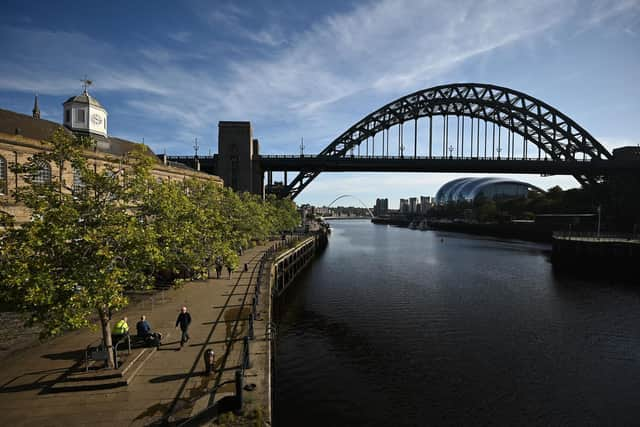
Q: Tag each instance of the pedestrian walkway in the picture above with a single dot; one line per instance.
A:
(170, 387)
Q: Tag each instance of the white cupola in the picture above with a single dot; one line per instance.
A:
(83, 113)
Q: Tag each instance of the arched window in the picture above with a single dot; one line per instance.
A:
(43, 174)
(3, 175)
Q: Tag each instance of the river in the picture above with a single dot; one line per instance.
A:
(398, 327)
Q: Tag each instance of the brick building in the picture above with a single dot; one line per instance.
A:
(22, 136)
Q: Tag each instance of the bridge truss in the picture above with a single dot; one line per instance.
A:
(545, 132)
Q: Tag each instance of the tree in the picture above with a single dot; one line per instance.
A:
(117, 230)
(80, 250)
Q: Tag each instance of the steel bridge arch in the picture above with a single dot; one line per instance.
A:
(554, 133)
(364, 205)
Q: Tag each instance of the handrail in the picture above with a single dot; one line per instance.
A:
(594, 235)
(115, 348)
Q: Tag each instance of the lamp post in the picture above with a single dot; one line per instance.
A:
(196, 147)
(498, 150)
(451, 151)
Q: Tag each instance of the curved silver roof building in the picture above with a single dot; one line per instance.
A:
(468, 189)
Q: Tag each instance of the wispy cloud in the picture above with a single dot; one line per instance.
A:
(180, 36)
(311, 80)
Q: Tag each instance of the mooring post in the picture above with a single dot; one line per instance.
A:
(239, 386)
(247, 359)
(251, 326)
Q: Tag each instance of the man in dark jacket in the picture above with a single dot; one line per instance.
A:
(184, 320)
(146, 334)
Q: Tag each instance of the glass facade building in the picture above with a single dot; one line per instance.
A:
(469, 189)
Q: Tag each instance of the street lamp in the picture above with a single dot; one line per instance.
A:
(196, 147)
(498, 150)
(451, 151)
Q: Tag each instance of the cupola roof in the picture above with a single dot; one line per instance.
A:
(84, 98)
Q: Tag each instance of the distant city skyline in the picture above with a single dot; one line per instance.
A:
(168, 73)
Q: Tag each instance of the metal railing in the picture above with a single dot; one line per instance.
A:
(411, 157)
(126, 338)
(595, 236)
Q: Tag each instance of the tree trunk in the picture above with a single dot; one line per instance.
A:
(105, 323)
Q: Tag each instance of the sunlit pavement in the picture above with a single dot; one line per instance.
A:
(172, 384)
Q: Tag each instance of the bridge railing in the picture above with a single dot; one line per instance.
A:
(409, 157)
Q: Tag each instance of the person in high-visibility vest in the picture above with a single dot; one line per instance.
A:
(120, 329)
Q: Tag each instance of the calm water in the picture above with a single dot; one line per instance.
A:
(396, 327)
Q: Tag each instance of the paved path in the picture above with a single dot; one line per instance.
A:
(169, 387)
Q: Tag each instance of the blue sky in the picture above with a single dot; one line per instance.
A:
(169, 71)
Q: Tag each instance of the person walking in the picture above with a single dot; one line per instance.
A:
(218, 267)
(229, 270)
(183, 320)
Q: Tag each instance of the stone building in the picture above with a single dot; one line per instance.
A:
(22, 136)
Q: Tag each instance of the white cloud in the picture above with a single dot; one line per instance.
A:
(290, 81)
(180, 36)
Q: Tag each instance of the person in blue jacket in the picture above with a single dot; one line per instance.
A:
(144, 331)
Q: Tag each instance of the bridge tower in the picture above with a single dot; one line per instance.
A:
(238, 157)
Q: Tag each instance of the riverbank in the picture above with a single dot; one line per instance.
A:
(514, 230)
(597, 255)
(521, 230)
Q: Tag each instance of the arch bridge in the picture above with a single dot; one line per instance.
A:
(461, 127)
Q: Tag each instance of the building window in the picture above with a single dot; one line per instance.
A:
(3, 175)
(78, 185)
(43, 174)
(67, 116)
(80, 116)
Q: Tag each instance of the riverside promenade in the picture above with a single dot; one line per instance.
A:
(171, 385)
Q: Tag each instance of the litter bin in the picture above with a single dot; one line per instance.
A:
(209, 361)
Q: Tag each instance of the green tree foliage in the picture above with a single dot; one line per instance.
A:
(119, 230)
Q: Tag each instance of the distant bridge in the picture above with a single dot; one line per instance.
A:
(464, 127)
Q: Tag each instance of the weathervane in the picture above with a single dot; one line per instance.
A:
(86, 83)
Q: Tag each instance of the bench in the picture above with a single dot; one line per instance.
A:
(95, 353)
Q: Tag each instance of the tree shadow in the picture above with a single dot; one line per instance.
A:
(43, 380)
(65, 355)
(226, 404)
(168, 378)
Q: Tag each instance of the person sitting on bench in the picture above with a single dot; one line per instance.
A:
(144, 331)
(119, 331)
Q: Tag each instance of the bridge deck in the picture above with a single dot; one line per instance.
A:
(442, 164)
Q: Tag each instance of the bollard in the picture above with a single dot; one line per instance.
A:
(239, 390)
(246, 267)
(209, 361)
(247, 360)
(251, 326)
